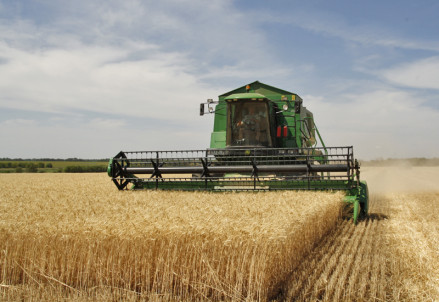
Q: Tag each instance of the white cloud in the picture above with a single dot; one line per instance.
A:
(419, 74)
(105, 61)
(107, 124)
(336, 25)
(97, 138)
(390, 122)
(100, 79)
(19, 122)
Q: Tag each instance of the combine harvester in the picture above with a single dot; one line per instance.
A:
(263, 139)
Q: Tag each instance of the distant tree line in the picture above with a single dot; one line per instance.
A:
(35, 167)
(25, 166)
(52, 159)
(85, 169)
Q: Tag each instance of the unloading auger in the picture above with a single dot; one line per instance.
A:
(263, 140)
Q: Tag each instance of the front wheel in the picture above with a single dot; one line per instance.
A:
(363, 198)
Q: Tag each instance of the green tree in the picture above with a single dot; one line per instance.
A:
(32, 168)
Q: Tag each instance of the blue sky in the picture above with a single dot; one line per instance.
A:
(90, 78)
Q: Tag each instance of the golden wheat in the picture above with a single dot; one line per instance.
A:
(77, 237)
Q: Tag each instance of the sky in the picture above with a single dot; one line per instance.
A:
(89, 78)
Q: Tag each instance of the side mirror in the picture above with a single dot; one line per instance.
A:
(210, 109)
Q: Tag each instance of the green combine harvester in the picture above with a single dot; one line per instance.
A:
(263, 139)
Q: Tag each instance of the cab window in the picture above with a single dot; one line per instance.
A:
(248, 124)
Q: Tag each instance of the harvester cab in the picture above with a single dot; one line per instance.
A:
(259, 115)
(263, 139)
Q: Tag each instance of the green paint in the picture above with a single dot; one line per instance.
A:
(218, 139)
(109, 171)
(356, 211)
(241, 96)
(250, 184)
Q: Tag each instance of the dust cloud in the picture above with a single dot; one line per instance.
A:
(401, 179)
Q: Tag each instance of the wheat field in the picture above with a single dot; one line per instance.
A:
(76, 238)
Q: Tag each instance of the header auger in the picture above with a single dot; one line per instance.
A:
(263, 139)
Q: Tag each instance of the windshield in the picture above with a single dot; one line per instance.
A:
(248, 124)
